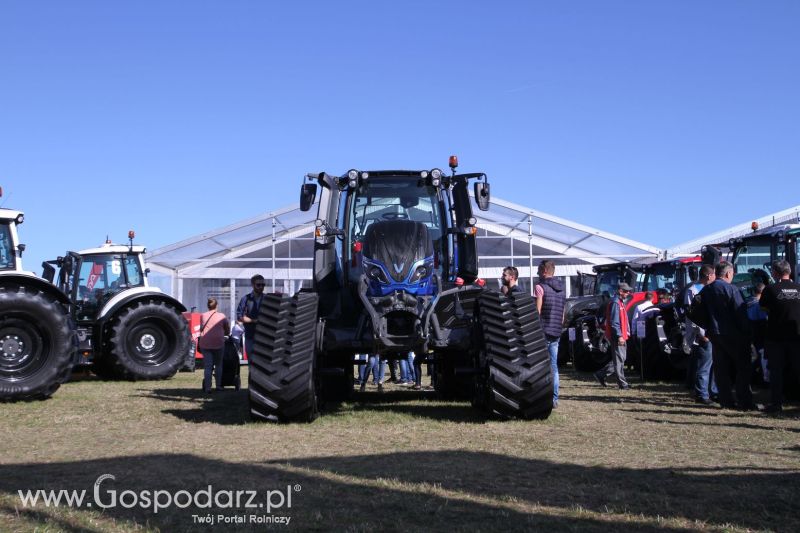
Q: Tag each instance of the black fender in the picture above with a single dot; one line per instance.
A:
(38, 283)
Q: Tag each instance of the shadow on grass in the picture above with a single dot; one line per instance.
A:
(230, 407)
(739, 425)
(226, 407)
(452, 490)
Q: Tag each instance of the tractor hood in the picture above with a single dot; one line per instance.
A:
(398, 256)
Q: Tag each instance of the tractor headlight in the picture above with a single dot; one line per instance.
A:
(436, 177)
(375, 272)
(352, 179)
(421, 272)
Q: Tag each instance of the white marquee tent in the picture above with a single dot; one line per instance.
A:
(279, 245)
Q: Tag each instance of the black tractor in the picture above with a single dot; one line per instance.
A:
(395, 266)
(37, 340)
(126, 329)
(583, 340)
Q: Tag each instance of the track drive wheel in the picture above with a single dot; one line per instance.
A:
(282, 381)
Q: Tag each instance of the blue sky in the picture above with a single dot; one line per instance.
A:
(658, 121)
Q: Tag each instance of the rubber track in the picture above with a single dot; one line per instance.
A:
(520, 380)
(281, 381)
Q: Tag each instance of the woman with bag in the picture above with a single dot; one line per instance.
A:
(211, 343)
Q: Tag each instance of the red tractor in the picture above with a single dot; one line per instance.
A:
(657, 349)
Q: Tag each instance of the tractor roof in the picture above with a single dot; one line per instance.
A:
(636, 267)
(9, 214)
(773, 230)
(110, 248)
(677, 261)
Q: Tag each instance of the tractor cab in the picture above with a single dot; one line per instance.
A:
(93, 277)
(670, 276)
(394, 228)
(753, 254)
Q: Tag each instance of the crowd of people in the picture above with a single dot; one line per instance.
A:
(726, 333)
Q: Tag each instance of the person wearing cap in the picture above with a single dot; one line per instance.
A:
(617, 331)
(247, 311)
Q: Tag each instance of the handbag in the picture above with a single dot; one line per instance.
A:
(203, 327)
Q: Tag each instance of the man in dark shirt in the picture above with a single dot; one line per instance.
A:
(729, 331)
(247, 311)
(509, 280)
(782, 342)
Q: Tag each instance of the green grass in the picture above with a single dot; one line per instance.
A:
(605, 460)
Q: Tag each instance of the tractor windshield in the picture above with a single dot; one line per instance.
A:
(663, 276)
(393, 199)
(607, 282)
(103, 275)
(7, 255)
(752, 261)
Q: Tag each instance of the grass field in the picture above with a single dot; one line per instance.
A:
(641, 460)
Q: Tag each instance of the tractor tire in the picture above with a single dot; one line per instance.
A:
(37, 342)
(590, 360)
(190, 363)
(514, 377)
(282, 383)
(147, 340)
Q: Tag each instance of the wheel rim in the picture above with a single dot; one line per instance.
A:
(150, 343)
(23, 350)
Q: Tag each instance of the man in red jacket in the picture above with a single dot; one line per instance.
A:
(617, 332)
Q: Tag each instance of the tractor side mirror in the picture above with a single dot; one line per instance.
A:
(20, 248)
(482, 197)
(308, 193)
(48, 272)
(711, 255)
(146, 272)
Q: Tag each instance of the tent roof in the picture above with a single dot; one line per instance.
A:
(243, 248)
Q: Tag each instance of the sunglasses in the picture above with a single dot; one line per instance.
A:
(259, 285)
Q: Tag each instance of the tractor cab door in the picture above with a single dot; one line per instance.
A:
(96, 278)
(586, 284)
(752, 261)
(466, 249)
(8, 255)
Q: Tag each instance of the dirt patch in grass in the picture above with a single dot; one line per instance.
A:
(645, 459)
